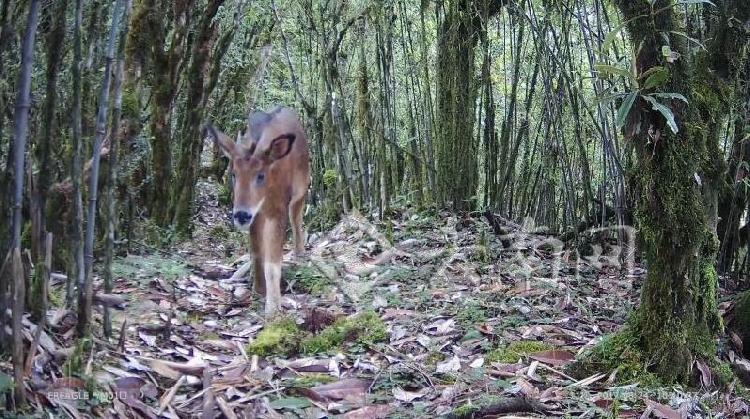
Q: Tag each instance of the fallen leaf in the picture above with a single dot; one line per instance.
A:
(554, 357)
(477, 363)
(290, 403)
(148, 339)
(707, 379)
(406, 396)
(441, 327)
(451, 365)
(349, 389)
(378, 411)
(527, 389)
(663, 411)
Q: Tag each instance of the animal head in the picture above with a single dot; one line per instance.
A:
(252, 156)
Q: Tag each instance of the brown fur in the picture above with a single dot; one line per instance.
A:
(279, 196)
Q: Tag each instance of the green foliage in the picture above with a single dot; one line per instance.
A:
(284, 337)
(516, 350)
(220, 232)
(470, 314)
(619, 352)
(365, 328)
(74, 365)
(330, 177)
(224, 195)
(154, 235)
(130, 107)
(280, 337)
(147, 267)
(309, 380)
(309, 280)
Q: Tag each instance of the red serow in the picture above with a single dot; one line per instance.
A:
(270, 164)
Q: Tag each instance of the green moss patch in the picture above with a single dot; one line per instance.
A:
(741, 320)
(284, 337)
(618, 352)
(516, 350)
(365, 328)
(308, 280)
(279, 337)
(309, 380)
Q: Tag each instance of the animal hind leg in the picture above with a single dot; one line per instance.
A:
(296, 209)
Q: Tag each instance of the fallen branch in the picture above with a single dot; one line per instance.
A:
(208, 396)
(169, 396)
(225, 408)
(123, 331)
(240, 273)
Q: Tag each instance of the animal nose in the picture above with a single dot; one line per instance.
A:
(243, 217)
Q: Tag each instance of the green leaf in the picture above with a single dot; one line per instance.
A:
(670, 96)
(290, 403)
(624, 110)
(608, 69)
(670, 55)
(655, 77)
(610, 38)
(693, 40)
(665, 111)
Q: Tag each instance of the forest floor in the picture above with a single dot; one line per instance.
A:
(464, 322)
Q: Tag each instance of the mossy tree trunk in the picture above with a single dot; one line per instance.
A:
(730, 61)
(675, 179)
(191, 143)
(456, 95)
(456, 145)
(163, 62)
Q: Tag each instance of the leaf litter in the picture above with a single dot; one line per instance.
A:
(473, 327)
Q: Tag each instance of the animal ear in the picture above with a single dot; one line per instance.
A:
(281, 146)
(222, 140)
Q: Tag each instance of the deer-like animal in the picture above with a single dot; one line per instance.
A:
(270, 165)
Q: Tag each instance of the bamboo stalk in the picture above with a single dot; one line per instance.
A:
(85, 290)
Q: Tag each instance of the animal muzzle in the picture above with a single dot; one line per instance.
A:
(242, 219)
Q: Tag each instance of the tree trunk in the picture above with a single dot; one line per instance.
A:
(191, 144)
(20, 133)
(456, 145)
(146, 45)
(111, 210)
(678, 319)
(85, 290)
(55, 42)
(76, 271)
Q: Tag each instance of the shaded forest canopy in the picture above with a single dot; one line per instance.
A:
(595, 124)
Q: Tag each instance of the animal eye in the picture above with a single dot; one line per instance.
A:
(261, 177)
